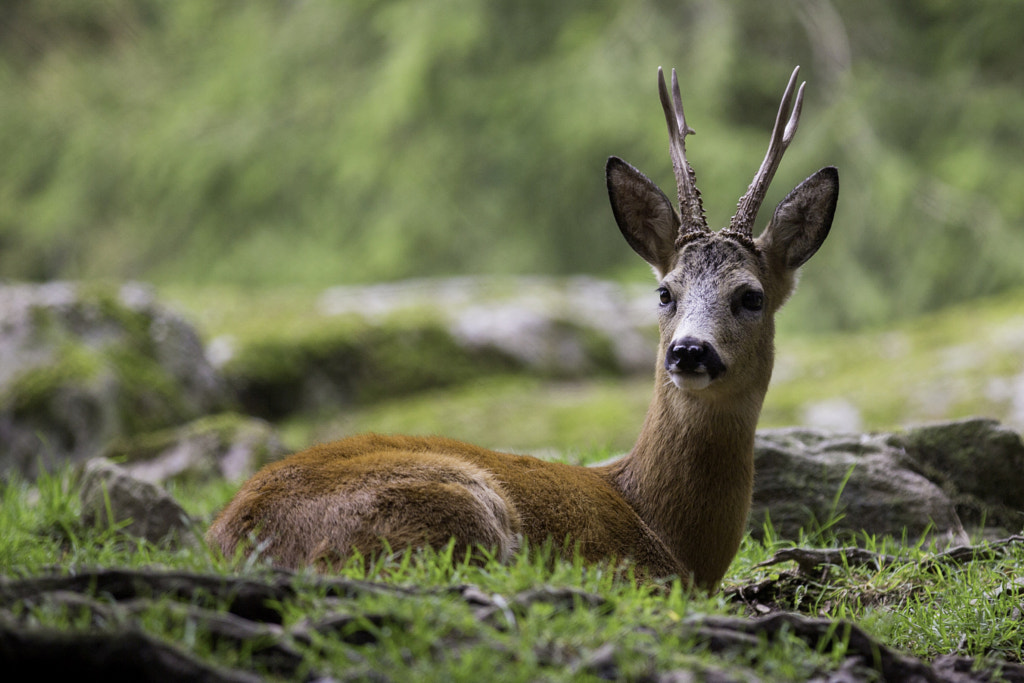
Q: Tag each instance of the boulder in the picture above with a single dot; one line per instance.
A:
(111, 496)
(925, 479)
(384, 340)
(227, 445)
(978, 463)
(845, 484)
(550, 326)
(81, 365)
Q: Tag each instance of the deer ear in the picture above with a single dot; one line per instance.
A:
(802, 220)
(645, 215)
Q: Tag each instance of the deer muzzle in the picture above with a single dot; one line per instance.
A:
(693, 362)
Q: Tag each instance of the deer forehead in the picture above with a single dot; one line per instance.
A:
(714, 263)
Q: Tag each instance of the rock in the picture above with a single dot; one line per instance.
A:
(348, 361)
(557, 319)
(81, 365)
(151, 513)
(809, 479)
(566, 328)
(599, 663)
(977, 462)
(925, 480)
(385, 340)
(227, 445)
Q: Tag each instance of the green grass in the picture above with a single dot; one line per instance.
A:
(943, 365)
(433, 633)
(577, 419)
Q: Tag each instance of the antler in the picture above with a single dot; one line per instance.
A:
(691, 209)
(746, 210)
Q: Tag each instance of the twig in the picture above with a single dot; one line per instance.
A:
(809, 559)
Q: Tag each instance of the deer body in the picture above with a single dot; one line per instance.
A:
(677, 504)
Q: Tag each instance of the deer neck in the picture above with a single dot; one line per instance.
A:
(690, 474)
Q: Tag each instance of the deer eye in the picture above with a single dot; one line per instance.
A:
(664, 296)
(752, 300)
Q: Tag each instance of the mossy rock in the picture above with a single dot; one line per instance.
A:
(110, 495)
(359, 345)
(353, 362)
(226, 445)
(82, 365)
(843, 484)
(978, 462)
(932, 479)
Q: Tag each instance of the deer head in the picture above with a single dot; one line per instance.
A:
(719, 291)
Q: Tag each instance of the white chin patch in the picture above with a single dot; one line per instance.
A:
(690, 381)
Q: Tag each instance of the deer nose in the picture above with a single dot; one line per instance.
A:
(692, 355)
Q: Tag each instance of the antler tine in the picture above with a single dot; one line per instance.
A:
(747, 208)
(691, 209)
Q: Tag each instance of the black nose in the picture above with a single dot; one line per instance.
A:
(691, 355)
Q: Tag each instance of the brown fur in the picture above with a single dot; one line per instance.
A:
(424, 491)
(677, 504)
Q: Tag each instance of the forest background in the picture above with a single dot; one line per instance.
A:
(281, 143)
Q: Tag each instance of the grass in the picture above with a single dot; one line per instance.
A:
(435, 633)
(579, 419)
(946, 365)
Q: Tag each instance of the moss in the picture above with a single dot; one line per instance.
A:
(599, 350)
(149, 397)
(401, 360)
(33, 390)
(134, 325)
(107, 300)
(102, 353)
(978, 462)
(225, 428)
(146, 396)
(351, 361)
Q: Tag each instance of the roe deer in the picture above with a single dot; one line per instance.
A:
(677, 504)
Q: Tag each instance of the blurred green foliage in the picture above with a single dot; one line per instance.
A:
(269, 142)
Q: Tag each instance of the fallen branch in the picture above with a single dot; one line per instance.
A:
(249, 598)
(117, 648)
(810, 559)
(41, 654)
(971, 553)
(269, 650)
(825, 635)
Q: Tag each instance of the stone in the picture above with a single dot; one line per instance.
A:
(227, 445)
(977, 462)
(110, 495)
(380, 341)
(847, 484)
(81, 365)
